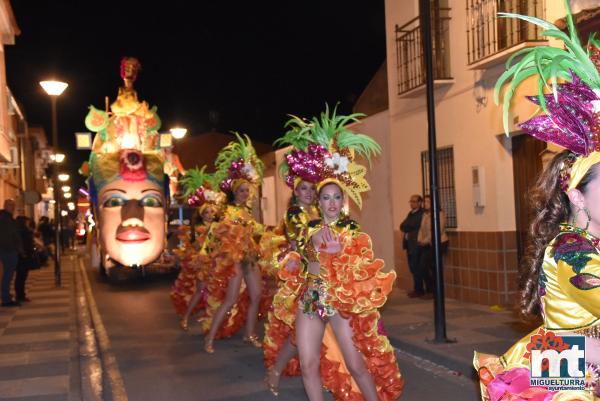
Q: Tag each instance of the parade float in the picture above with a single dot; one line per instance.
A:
(128, 181)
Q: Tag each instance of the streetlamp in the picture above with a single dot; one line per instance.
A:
(178, 133)
(54, 89)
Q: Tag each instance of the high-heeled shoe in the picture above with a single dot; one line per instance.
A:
(253, 339)
(273, 388)
(208, 346)
(183, 323)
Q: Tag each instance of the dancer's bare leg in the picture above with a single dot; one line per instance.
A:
(309, 336)
(231, 296)
(253, 281)
(354, 359)
(194, 300)
(286, 353)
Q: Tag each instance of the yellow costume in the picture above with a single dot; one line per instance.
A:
(569, 289)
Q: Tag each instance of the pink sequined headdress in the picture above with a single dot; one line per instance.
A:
(325, 150)
(571, 109)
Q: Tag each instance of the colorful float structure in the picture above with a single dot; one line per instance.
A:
(127, 184)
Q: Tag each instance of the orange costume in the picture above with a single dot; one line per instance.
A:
(230, 241)
(194, 267)
(277, 331)
(352, 284)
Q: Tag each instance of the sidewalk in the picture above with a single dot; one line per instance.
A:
(39, 357)
(409, 323)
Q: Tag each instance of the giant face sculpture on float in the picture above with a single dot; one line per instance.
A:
(127, 184)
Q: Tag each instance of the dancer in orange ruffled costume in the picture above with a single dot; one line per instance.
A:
(336, 294)
(233, 247)
(279, 351)
(188, 293)
(189, 290)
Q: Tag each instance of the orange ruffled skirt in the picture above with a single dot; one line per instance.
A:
(356, 289)
(233, 244)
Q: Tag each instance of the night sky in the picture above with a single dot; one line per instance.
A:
(220, 65)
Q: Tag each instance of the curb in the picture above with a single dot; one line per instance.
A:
(458, 365)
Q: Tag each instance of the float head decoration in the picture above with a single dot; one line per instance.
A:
(198, 189)
(237, 163)
(327, 150)
(571, 117)
(127, 184)
(128, 190)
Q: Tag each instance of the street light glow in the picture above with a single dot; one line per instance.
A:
(71, 206)
(67, 195)
(66, 188)
(63, 177)
(178, 132)
(57, 157)
(54, 88)
(63, 213)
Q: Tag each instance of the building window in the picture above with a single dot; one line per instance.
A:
(446, 190)
(488, 34)
(410, 63)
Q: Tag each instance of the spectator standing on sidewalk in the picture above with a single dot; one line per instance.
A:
(410, 229)
(27, 259)
(425, 246)
(47, 232)
(10, 248)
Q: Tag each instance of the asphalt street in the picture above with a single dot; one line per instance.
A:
(156, 360)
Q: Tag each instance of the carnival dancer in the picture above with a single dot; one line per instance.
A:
(561, 277)
(280, 354)
(188, 293)
(233, 246)
(340, 285)
(127, 185)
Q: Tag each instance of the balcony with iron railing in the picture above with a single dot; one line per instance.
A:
(492, 39)
(409, 53)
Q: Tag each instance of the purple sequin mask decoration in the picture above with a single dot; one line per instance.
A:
(570, 119)
(306, 166)
(570, 123)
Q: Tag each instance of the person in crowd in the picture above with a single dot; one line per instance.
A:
(280, 354)
(232, 245)
(189, 293)
(11, 246)
(410, 229)
(340, 286)
(47, 233)
(28, 259)
(561, 269)
(425, 246)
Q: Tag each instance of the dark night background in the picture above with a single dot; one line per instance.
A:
(220, 65)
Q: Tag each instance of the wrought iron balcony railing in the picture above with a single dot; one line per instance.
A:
(488, 34)
(409, 50)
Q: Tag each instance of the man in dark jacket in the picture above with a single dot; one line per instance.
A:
(10, 248)
(410, 229)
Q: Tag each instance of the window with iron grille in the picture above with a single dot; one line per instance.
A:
(488, 34)
(445, 176)
(410, 63)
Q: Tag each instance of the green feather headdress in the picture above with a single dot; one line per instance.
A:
(549, 64)
(238, 160)
(201, 187)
